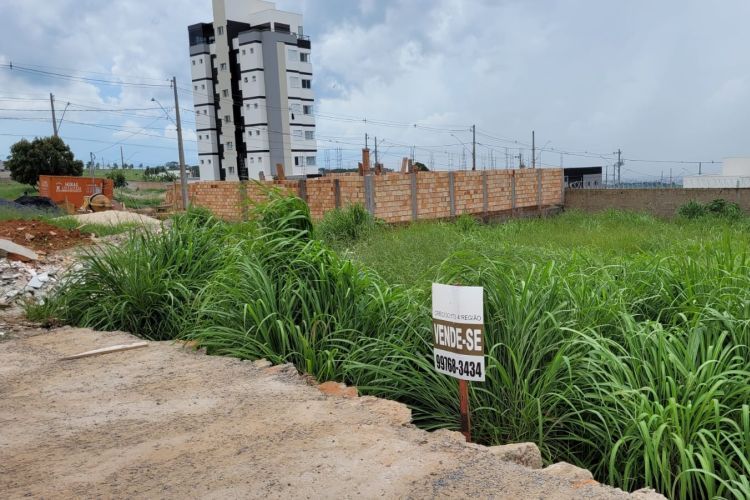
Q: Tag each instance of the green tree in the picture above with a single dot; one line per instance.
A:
(118, 179)
(42, 156)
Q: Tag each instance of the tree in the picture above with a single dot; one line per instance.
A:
(118, 179)
(42, 156)
(420, 167)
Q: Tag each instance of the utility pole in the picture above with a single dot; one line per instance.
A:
(670, 176)
(54, 119)
(122, 159)
(183, 174)
(617, 173)
(376, 151)
(473, 147)
(533, 149)
(366, 137)
(700, 168)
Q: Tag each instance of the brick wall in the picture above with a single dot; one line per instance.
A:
(395, 197)
(659, 202)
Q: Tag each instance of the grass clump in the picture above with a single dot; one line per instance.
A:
(719, 208)
(344, 226)
(630, 360)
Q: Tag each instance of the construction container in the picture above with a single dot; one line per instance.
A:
(65, 190)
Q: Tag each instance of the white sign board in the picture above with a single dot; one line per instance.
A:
(458, 331)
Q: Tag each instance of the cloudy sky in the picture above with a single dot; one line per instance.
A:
(667, 80)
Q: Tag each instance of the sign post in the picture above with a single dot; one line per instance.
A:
(458, 339)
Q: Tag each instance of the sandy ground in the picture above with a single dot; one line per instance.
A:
(167, 422)
(115, 217)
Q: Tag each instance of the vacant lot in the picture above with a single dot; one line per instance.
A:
(617, 342)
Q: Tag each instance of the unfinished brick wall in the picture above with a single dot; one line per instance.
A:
(394, 197)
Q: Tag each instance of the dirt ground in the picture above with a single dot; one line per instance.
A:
(167, 422)
(39, 235)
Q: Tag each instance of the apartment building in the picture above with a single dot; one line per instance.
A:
(252, 82)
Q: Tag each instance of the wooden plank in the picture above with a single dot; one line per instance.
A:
(105, 350)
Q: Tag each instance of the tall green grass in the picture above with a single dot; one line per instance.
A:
(632, 361)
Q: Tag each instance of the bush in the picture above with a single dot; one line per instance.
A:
(692, 210)
(717, 208)
(346, 225)
(118, 178)
(725, 209)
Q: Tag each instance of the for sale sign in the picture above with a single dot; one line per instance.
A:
(458, 331)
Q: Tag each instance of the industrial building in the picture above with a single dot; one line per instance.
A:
(735, 173)
(252, 82)
(583, 177)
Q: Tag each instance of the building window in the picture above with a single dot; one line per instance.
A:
(225, 93)
(223, 66)
(296, 161)
(205, 111)
(297, 134)
(293, 55)
(310, 161)
(227, 119)
(245, 79)
(243, 52)
(308, 110)
(255, 105)
(296, 108)
(306, 84)
(310, 135)
(304, 57)
(230, 146)
(220, 30)
(203, 86)
(257, 132)
(252, 50)
(252, 160)
(193, 62)
(260, 160)
(201, 162)
(209, 161)
(254, 78)
(195, 87)
(294, 82)
(247, 105)
(200, 60)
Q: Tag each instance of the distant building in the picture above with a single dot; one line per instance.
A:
(735, 173)
(583, 178)
(252, 82)
(2, 166)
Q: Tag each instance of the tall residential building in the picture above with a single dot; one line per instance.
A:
(252, 76)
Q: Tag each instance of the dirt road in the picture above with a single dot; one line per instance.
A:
(166, 422)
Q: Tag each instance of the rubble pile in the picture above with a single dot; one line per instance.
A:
(22, 281)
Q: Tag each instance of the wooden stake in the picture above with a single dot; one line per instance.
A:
(463, 398)
(105, 350)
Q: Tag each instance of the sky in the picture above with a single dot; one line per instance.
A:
(667, 83)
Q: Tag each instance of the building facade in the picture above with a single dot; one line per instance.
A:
(252, 86)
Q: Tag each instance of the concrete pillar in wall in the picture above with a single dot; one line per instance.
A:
(452, 192)
(414, 207)
(369, 186)
(337, 193)
(513, 194)
(302, 189)
(485, 196)
(539, 191)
